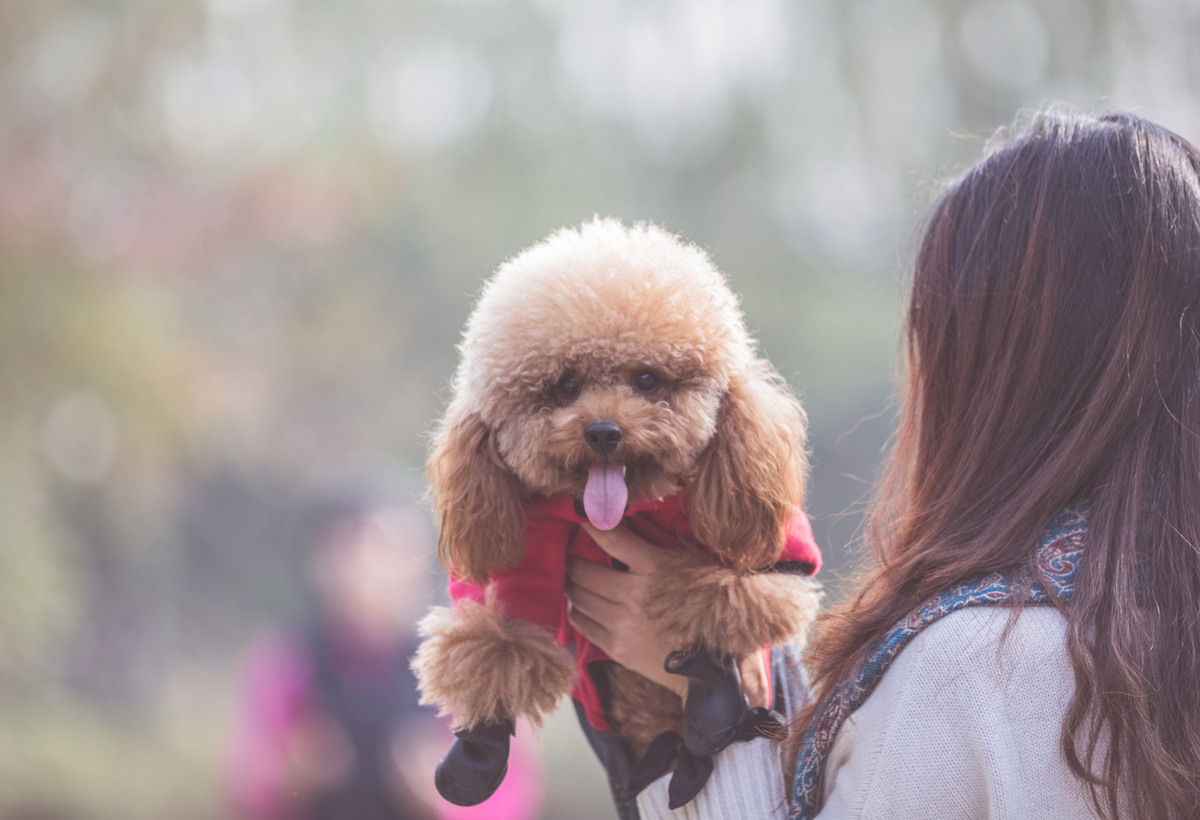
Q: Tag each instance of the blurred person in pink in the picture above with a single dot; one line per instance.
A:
(328, 724)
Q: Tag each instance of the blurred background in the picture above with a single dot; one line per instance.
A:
(239, 238)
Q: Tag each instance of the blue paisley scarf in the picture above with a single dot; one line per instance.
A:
(1054, 563)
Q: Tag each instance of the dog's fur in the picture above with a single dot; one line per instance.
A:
(603, 304)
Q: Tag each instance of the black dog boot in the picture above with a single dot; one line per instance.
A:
(475, 765)
(716, 707)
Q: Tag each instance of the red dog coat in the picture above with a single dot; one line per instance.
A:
(533, 590)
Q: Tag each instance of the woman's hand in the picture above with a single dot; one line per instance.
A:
(608, 608)
(607, 605)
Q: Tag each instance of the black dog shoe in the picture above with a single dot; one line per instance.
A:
(715, 708)
(475, 765)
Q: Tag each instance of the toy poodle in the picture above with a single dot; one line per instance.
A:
(607, 375)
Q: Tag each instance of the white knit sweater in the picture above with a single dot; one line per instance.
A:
(962, 725)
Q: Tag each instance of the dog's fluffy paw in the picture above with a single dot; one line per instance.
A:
(480, 668)
(696, 601)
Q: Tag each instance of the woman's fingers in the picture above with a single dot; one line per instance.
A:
(591, 629)
(607, 607)
(596, 606)
(636, 553)
(626, 588)
(622, 637)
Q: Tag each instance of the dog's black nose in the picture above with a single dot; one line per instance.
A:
(602, 436)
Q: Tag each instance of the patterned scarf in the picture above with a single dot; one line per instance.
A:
(1055, 561)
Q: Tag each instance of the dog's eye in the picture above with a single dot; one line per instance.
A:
(568, 386)
(646, 381)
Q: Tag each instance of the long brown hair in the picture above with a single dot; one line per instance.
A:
(1052, 358)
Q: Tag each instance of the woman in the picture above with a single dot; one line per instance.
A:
(1047, 460)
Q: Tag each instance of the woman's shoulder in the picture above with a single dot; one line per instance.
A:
(979, 670)
(966, 719)
(982, 635)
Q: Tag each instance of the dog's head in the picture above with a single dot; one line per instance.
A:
(612, 363)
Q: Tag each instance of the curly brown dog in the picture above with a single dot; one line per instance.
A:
(607, 374)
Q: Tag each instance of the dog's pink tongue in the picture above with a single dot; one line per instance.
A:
(605, 495)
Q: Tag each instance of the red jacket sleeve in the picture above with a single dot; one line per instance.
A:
(800, 552)
(533, 590)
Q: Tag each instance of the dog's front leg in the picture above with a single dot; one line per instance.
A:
(486, 671)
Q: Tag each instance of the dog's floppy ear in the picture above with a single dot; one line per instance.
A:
(751, 477)
(477, 499)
